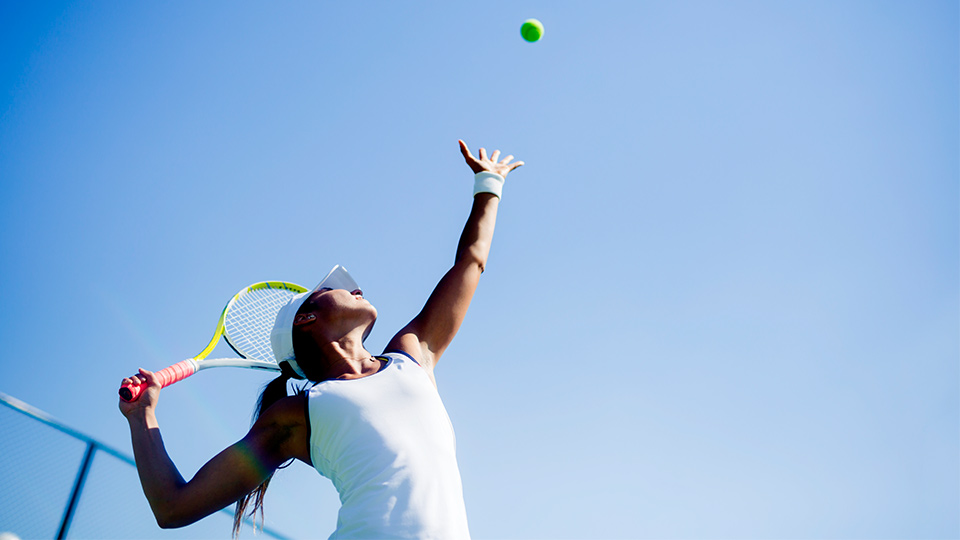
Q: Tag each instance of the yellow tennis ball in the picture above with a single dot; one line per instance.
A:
(531, 30)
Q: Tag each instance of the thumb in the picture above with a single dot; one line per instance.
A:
(466, 151)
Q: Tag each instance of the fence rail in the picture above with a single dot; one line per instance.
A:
(56, 482)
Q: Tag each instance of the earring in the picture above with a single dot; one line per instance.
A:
(304, 318)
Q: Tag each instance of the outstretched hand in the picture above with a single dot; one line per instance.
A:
(492, 164)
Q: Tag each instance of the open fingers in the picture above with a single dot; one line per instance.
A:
(491, 163)
(466, 151)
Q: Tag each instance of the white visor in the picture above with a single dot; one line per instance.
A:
(281, 337)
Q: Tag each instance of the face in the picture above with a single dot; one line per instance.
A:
(338, 312)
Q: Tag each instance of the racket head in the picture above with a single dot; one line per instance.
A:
(249, 316)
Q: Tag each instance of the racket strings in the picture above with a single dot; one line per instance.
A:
(249, 321)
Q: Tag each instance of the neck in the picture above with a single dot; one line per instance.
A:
(348, 359)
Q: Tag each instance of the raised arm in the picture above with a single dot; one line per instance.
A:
(278, 435)
(431, 331)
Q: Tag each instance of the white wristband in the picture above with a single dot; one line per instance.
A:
(487, 182)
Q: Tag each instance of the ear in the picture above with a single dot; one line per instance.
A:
(304, 318)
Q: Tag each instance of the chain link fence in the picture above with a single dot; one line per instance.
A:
(58, 483)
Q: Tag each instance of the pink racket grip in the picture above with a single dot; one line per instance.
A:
(167, 376)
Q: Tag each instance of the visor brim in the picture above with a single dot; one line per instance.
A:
(338, 278)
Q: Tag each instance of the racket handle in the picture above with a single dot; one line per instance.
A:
(167, 376)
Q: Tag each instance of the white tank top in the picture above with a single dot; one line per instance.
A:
(387, 444)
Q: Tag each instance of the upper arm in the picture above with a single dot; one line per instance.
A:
(278, 435)
(428, 335)
(431, 331)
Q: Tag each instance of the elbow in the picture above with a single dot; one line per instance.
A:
(162, 514)
(475, 256)
(169, 519)
(166, 522)
(480, 264)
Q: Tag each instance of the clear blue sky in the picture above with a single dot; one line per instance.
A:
(723, 300)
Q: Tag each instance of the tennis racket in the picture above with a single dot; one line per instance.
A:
(245, 323)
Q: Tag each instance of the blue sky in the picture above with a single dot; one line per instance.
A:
(722, 300)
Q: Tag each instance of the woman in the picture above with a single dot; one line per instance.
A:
(374, 425)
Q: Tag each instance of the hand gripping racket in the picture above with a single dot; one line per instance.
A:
(245, 323)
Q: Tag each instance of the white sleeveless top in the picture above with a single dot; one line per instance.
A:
(387, 444)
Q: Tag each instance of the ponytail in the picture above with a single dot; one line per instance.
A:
(272, 392)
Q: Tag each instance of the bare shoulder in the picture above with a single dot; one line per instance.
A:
(409, 342)
(286, 411)
(283, 429)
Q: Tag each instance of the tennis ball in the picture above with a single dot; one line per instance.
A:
(531, 30)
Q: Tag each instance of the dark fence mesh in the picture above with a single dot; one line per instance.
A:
(41, 462)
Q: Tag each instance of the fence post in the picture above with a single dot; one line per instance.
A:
(77, 488)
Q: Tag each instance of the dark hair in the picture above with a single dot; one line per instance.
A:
(304, 348)
(308, 354)
(272, 392)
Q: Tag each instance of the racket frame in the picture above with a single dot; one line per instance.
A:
(188, 367)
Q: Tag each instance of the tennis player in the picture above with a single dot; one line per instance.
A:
(374, 425)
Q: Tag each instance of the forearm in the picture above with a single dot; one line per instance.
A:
(159, 476)
(477, 236)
